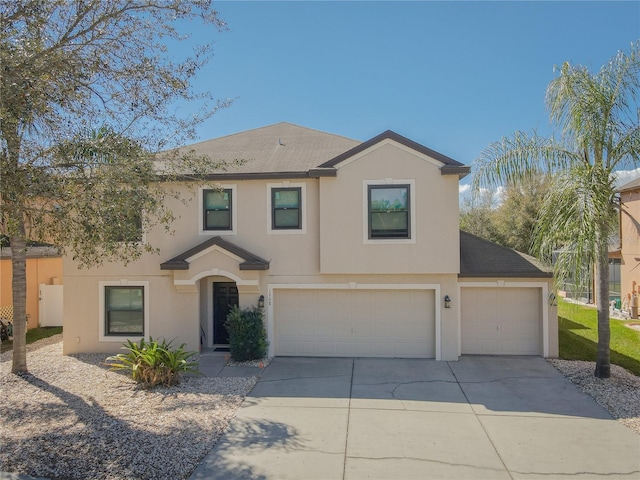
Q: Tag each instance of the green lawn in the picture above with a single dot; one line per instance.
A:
(34, 335)
(578, 336)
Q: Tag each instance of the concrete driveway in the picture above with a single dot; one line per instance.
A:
(478, 418)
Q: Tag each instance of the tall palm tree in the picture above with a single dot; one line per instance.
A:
(598, 131)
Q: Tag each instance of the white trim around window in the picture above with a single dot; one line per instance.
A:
(303, 209)
(102, 336)
(234, 210)
(412, 213)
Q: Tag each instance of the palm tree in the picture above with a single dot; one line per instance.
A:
(598, 132)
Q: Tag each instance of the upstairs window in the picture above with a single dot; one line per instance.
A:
(389, 211)
(286, 208)
(218, 206)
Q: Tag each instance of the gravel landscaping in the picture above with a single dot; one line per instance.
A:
(71, 418)
(619, 394)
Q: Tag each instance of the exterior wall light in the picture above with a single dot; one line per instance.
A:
(261, 301)
(447, 301)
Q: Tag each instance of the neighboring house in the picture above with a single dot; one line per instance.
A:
(625, 263)
(354, 248)
(44, 278)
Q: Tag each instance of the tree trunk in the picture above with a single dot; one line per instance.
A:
(19, 286)
(603, 360)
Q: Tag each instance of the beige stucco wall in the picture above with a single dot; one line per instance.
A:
(46, 271)
(343, 215)
(630, 242)
(329, 251)
(172, 314)
(291, 253)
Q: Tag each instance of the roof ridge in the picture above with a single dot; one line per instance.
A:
(243, 132)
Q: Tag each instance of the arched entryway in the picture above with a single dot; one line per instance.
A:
(224, 275)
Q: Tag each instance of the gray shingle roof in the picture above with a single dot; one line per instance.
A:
(278, 148)
(34, 252)
(482, 258)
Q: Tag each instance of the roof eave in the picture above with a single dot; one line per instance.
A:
(174, 265)
(254, 266)
(249, 261)
(506, 275)
(312, 173)
(391, 135)
(461, 171)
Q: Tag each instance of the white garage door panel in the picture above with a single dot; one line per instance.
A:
(501, 321)
(354, 323)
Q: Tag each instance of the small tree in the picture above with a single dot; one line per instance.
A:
(247, 336)
(86, 96)
(516, 218)
(478, 216)
(598, 132)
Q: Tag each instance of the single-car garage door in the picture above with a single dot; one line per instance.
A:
(501, 321)
(354, 323)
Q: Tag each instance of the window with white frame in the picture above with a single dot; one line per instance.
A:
(217, 209)
(389, 211)
(124, 310)
(286, 211)
(286, 208)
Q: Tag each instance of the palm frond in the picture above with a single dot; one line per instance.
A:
(519, 157)
(575, 212)
(595, 112)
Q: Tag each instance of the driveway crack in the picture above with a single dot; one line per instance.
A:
(573, 474)
(263, 380)
(429, 460)
(479, 422)
(346, 439)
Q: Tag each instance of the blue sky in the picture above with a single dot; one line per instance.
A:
(451, 75)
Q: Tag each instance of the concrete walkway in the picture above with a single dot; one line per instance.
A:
(479, 418)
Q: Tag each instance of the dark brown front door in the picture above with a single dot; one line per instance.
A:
(225, 295)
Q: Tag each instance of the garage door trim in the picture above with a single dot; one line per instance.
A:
(353, 286)
(503, 284)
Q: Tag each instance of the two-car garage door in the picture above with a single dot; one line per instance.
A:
(354, 323)
(501, 321)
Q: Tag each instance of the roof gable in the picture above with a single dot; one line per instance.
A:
(246, 259)
(449, 167)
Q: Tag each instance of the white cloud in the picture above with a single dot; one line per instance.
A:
(483, 195)
(626, 176)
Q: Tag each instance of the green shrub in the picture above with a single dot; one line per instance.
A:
(154, 363)
(247, 336)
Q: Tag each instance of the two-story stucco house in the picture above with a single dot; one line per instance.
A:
(354, 247)
(626, 260)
